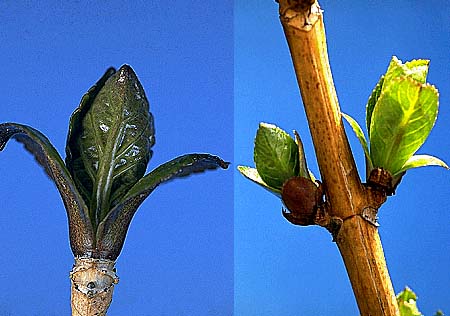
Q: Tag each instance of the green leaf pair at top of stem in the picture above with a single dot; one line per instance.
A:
(407, 304)
(109, 141)
(400, 113)
(278, 157)
(102, 181)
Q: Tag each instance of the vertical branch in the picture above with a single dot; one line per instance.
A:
(93, 283)
(358, 240)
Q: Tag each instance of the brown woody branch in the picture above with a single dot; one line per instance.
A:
(358, 240)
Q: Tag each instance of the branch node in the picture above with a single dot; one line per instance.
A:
(370, 214)
(382, 180)
(331, 223)
(93, 282)
(301, 14)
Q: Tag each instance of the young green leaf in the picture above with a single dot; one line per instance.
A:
(303, 170)
(112, 230)
(422, 161)
(110, 148)
(276, 155)
(407, 303)
(81, 242)
(415, 69)
(253, 175)
(360, 135)
(371, 104)
(74, 161)
(402, 119)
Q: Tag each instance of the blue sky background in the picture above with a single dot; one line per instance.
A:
(178, 256)
(282, 269)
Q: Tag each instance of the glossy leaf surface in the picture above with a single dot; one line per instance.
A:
(276, 155)
(112, 230)
(74, 161)
(109, 141)
(80, 229)
(108, 148)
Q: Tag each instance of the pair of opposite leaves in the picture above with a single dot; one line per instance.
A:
(400, 114)
(102, 181)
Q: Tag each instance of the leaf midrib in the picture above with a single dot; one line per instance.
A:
(103, 184)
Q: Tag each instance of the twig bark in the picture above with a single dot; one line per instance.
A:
(357, 239)
(93, 283)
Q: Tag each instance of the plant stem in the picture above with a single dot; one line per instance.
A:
(358, 240)
(92, 286)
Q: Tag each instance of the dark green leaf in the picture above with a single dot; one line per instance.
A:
(74, 162)
(276, 155)
(402, 119)
(109, 141)
(80, 229)
(112, 230)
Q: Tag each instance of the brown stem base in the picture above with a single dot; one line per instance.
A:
(360, 247)
(348, 199)
(93, 283)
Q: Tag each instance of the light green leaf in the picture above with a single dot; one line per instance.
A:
(109, 140)
(46, 155)
(276, 155)
(401, 121)
(407, 303)
(360, 134)
(253, 175)
(372, 102)
(416, 69)
(112, 230)
(422, 161)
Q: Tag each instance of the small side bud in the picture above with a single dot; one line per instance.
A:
(301, 196)
(382, 180)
